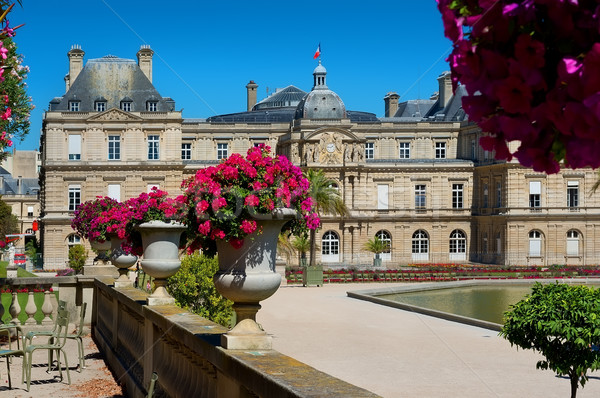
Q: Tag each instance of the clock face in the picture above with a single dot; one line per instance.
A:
(330, 147)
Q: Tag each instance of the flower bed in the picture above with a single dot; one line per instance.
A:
(443, 273)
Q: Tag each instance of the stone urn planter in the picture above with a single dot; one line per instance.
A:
(247, 276)
(160, 241)
(122, 261)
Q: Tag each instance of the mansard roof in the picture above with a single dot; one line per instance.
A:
(288, 96)
(114, 79)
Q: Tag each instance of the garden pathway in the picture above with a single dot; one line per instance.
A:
(397, 353)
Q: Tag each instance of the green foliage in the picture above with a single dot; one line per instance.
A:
(193, 288)
(327, 201)
(9, 224)
(77, 257)
(32, 249)
(562, 322)
(376, 245)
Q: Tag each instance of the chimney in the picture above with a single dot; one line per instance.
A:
(391, 104)
(75, 64)
(251, 94)
(144, 57)
(445, 93)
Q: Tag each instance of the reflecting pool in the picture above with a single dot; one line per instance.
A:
(486, 303)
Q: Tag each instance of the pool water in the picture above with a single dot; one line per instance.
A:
(486, 303)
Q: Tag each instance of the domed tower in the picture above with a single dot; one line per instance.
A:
(321, 102)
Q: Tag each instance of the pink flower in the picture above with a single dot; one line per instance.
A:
(248, 226)
(236, 243)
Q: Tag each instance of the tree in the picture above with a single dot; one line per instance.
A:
(193, 288)
(77, 257)
(327, 200)
(562, 322)
(376, 246)
(301, 245)
(9, 223)
(15, 105)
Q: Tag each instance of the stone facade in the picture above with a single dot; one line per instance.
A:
(416, 177)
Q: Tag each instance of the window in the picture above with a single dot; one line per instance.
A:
(153, 147)
(73, 240)
(74, 197)
(369, 150)
(386, 238)
(473, 148)
(186, 151)
(330, 247)
(152, 106)
(222, 151)
(458, 245)
(572, 243)
(535, 244)
(420, 245)
(405, 150)
(100, 106)
(114, 147)
(485, 244)
(382, 196)
(420, 197)
(440, 150)
(114, 191)
(485, 196)
(152, 187)
(457, 196)
(535, 192)
(126, 106)
(74, 106)
(572, 194)
(498, 194)
(29, 211)
(498, 243)
(74, 147)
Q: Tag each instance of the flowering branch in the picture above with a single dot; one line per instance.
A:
(530, 69)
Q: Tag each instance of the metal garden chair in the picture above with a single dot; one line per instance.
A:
(56, 342)
(8, 354)
(78, 336)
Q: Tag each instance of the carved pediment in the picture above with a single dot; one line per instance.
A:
(115, 114)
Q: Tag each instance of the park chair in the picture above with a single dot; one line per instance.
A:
(153, 381)
(79, 337)
(56, 343)
(62, 305)
(6, 328)
(9, 354)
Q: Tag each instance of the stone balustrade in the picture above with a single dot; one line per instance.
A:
(184, 350)
(72, 289)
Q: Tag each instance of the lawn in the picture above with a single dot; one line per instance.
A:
(20, 271)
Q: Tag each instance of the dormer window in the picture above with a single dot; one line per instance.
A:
(74, 106)
(126, 106)
(100, 106)
(152, 106)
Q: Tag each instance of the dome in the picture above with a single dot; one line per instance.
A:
(321, 102)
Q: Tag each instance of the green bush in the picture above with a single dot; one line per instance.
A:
(77, 257)
(193, 288)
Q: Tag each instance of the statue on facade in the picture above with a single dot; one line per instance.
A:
(348, 152)
(308, 153)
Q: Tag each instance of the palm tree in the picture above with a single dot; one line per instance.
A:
(376, 246)
(327, 201)
(301, 244)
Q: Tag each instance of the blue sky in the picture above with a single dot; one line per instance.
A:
(205, 53)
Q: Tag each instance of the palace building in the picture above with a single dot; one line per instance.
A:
(416, 177)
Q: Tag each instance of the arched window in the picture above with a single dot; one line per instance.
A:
(458, 245)
(420, 246)
(535, 243)
(330, 247)
(73, 240)
(573, 241)
(385, 237)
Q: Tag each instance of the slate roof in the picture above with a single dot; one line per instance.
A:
(12, 186)
(114, 79)
(288, 96)
(418, 110)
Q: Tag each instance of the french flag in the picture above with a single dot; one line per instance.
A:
(318, 52)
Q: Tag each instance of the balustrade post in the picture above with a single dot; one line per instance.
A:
(14, 308)
(30, 308)
(47, 306)
(2, 310)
